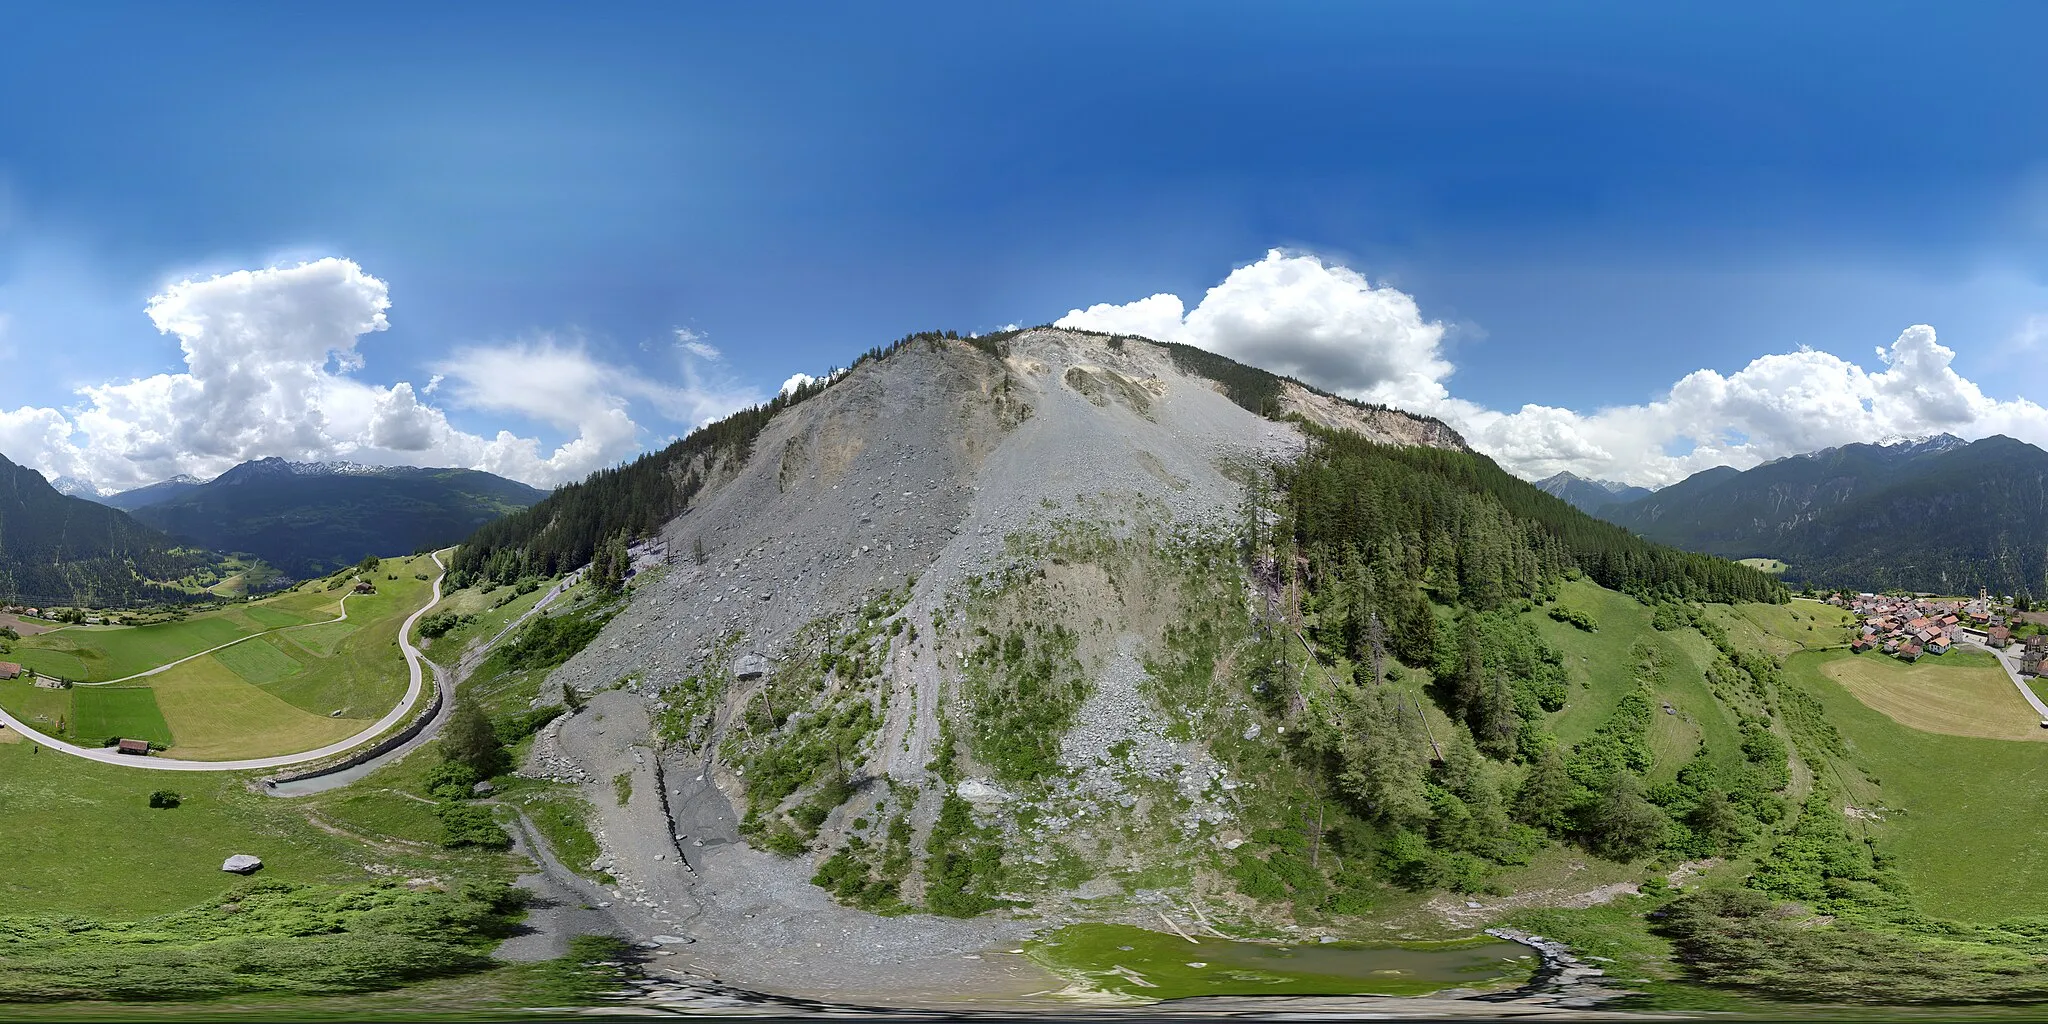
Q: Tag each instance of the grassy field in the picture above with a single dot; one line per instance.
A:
(41, 708)
(128, 712)
(1955, 810)
(1784, 629)
(101, 653)
(490, 617)
(273, 694)
(1769, 565)
(1963, 693)
(1604, 665)
(216, 716)
(86, 841)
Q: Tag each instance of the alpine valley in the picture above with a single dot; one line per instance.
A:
(1022, 669)
(1937, 515)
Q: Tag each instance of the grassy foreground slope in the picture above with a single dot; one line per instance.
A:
(1956, 812)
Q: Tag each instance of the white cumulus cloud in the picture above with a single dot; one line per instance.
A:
(1329, 326)
(271, 364)
(1296, 315)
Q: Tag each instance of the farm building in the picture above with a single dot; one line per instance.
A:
(139, 748)
(9, 670)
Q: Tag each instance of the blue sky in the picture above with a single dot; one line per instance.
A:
(1593, 201)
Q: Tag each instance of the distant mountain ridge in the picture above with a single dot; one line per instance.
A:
(1929, 514)
(58, 549)
(308, 518)
(1590, 495)
(150, 495)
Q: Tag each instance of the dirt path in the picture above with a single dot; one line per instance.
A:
(565, 904)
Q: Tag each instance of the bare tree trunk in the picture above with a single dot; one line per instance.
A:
(1315, 846)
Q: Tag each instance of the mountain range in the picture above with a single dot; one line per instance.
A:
(58, 549)
(1936, 514)
(309, 518)
(1590, 495)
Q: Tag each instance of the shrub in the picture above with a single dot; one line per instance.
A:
(165, 799)
(1574, 618)
(470, 825)
(451, 780)
(515, 727)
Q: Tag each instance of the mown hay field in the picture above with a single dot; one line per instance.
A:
(1962, 693)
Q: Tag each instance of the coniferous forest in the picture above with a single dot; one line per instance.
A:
(1402, 559)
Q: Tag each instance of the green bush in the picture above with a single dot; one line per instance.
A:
(263, 937)
(518, 726)
(1574, 618)
(165, 799)
(469, 825)
(451, 780)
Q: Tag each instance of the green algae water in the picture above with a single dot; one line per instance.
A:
(1133, 962)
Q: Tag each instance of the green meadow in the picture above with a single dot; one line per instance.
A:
(103, 653)
(307, 682)
(1957, 812)
(127, 712)
(1604, 665)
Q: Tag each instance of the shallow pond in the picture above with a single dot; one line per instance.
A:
(1135, 962)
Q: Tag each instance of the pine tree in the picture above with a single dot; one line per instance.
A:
(470, 740)
(1625, 826)
(1548, 794)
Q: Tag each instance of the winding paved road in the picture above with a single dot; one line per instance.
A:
(448, 682)
(416, 685)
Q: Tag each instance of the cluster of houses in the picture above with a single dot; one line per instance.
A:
(37, 613)
(1910, 627)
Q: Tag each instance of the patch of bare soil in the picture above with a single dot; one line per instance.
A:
(26, 627)
(1464, 912)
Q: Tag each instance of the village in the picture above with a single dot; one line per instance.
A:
(1909, 628)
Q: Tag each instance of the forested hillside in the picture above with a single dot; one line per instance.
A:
(1401, 565)
(1461, 699)
(1940, 515)
(307, 519)
(61, 550)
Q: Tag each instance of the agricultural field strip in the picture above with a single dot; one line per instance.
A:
(167, 666)
(413, 661)
(2012, 672)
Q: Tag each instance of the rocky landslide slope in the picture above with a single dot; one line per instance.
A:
(961, 633)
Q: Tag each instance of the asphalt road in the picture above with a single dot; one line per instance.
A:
(448, 682)
(416, 686)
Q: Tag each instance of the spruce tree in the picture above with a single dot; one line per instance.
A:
(470, 740)
(1548, 794)
(1625, 825)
